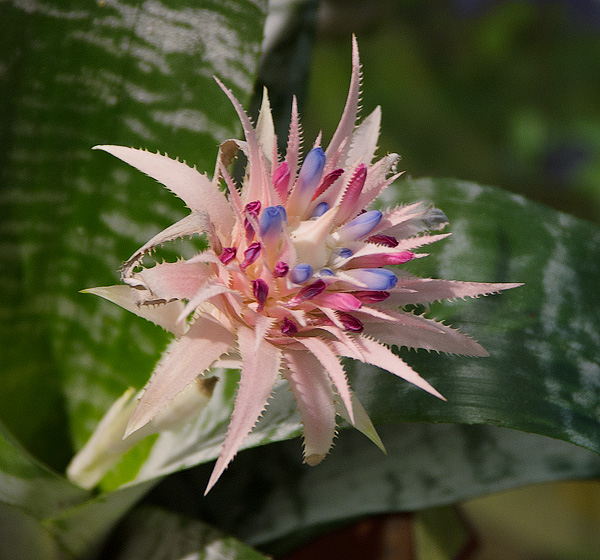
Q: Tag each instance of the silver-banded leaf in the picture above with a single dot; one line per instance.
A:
(427, 465)
(75, 75)
(542, 376)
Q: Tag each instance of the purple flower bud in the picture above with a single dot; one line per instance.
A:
(271, 222)
(366, 296)
(308, 292)
(350, 322)
(374, 278)
(280, 269)
(320, 209)
(228, 254)
(385, 240)
(301, 273)
(362, 225)
(311, 171)
(288, 327)
(261, 291)
(252, 209)
(251, 254)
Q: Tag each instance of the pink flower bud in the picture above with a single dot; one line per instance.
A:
(340, 301)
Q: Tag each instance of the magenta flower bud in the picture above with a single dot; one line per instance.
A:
(374, 278)
(281, 180)
(288, 327)
(251, 254)
(271, 223)
(383, 259)
(361, 226)
(385, 240)
(351, 323)
(367, 296)
(280, 269)
(261, 291)
(253, 207)
(228, 254)
(301, 273)
(308, 292)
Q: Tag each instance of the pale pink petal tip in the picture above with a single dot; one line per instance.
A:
(314, 460)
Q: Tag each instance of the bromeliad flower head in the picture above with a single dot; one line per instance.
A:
(294, 278)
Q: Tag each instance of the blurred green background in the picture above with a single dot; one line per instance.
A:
(501, 93)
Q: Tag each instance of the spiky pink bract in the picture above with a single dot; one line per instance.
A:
(293, 279)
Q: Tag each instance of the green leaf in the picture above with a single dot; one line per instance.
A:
(82, 528)
(30, 492)
(543, 373)
(30, 486)
(267, 494)
(74, 75)
(24, 538)
(154, 534)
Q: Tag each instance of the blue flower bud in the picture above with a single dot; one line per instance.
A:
(301, 273)
(326, 272)
(319, 210)
(374, 278)
(361, 226)
(271, 221)
(311, 170)
(344, 252)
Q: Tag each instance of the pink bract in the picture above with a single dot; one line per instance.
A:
(295, 276)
